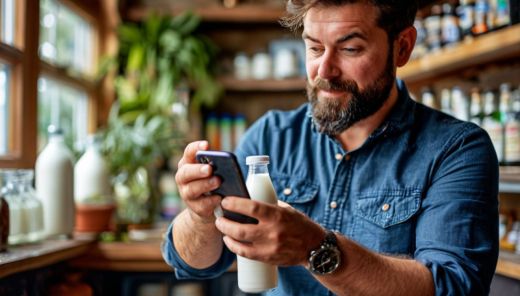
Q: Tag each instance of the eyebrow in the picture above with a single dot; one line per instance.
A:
(342, 39)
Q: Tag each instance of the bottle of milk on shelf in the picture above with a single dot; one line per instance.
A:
(254, 276)
(55, 185)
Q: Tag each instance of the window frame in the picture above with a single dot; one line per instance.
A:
(25, 69)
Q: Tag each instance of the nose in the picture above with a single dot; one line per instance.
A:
(328, 66)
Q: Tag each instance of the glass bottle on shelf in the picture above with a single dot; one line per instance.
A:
(446, 101)
(433, 25)
(17, 211)
(421, 48)
(33, 206)
(491, 123)
(460, 106)
(428, 98)
(450, 25)
(476, 112)
(466, 10)
(503, 14)
(481, 14)
(512, 126)
(4, 218)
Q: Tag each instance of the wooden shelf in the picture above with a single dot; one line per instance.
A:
(23, 258)
(270, 85)
(241, 14)
(509, 181)
(483, 49)
(119, 256)
(508, 264)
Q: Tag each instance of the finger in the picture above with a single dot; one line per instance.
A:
(196, 188)
(191, 172)
(241, 249)
(191, 150)
(204, 205)
(239, 231)
(284, 204)
(251, 208)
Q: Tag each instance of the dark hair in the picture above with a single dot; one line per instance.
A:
(393, 15)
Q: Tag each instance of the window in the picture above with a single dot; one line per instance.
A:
(66, 39)
(8, 18)
(4, 109)
(65, 107)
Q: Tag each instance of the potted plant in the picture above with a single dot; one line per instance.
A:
(161, 61)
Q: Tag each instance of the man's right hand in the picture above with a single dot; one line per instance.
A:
(193, 180)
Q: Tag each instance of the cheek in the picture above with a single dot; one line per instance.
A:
(364, 70)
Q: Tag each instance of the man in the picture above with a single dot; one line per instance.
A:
(410, 193)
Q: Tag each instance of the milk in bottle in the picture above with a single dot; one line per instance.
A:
(254, 276)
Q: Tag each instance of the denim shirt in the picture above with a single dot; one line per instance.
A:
(423, 184)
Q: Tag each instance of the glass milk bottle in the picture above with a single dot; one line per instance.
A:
(33, 206)
(55, 186)
(254, 276)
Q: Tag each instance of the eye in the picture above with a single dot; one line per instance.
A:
(348, 49)
(314, 50)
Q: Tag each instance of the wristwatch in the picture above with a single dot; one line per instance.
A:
(327, 258)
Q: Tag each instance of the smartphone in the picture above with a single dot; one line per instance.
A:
(225, 166)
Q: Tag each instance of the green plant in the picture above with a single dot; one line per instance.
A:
(154, 57)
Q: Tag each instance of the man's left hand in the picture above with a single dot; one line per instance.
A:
(282, 237)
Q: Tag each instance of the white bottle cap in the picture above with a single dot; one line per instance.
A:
(257, 159)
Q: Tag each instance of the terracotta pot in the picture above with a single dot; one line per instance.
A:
(93, 218)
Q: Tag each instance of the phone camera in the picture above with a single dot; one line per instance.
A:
(204, 159)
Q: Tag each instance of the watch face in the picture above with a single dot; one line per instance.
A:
(325, 261)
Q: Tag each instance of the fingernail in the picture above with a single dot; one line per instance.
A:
(202, 145)
(204, 170)
(217, 221)
(224, 202)
(213, 181)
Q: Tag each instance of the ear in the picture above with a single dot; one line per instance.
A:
(406, 42)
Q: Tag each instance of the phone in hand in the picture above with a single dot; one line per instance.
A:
(225, 166)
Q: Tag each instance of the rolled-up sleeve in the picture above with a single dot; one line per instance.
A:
(184, 271)
(457, 230)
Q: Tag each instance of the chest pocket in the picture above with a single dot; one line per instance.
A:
(385, 220)
(298, 192)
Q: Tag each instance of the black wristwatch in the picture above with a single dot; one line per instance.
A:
(327, 258)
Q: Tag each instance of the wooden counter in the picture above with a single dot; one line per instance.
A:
(23, 258)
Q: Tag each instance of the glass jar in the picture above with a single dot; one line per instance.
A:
(17, 213)
(33, 206)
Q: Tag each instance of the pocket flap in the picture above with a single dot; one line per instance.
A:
(388, 207)
(291, 189)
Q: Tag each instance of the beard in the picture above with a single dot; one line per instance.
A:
(332, 116)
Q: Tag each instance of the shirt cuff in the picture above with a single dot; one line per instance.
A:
(184, 271)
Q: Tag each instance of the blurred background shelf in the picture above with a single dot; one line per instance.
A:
(508, 264)
(271, 85)
(494, 46)
(240, 14)
(509, 179)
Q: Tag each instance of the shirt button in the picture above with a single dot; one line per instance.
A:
(333, 204)
(339, 156)
(385, 207)
(348, 157)
(287, 191)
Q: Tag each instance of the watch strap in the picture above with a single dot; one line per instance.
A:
(330, 237)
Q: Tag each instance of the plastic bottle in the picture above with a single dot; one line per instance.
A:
(55, 186)
(33, 206)
(226, 133)
(254, 276)
(91, 175)
(239, 129)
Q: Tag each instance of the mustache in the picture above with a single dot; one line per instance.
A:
(333, 85)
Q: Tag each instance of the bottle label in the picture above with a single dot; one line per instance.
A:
(467, 17)
(513, 142)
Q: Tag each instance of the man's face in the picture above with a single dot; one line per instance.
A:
(350, 65)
